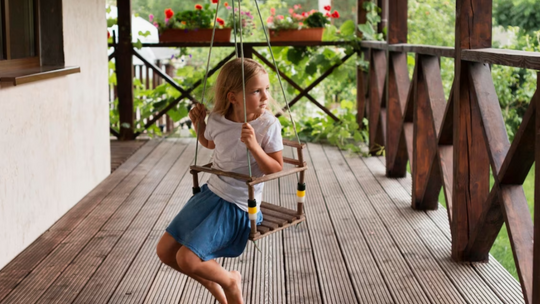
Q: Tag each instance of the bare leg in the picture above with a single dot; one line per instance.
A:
(167, 249)
(212, 271)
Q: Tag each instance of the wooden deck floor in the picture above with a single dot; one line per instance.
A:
(362, 243)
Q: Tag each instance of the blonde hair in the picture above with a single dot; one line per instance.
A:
(230, 80)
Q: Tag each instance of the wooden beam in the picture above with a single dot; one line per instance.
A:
(440, 51)
(318, 80)
(518, 160)
(521, 155)
(377, 76)
(513, 58)
(294, 85)
(471, 165)
(428, 115)
(536, 250)
(397, 21)
(398, 86)
(521, 234)
(124, 71)
(490, 222)
(185, 93)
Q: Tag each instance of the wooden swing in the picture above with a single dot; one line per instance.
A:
(275, 218)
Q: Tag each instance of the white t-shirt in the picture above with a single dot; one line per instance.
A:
(230, 155)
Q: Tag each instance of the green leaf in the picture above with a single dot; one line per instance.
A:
(294, 55)
(111, 22)
(330, 33)
(138, 44)
(347, 28)
(311, 68)
(145, 34)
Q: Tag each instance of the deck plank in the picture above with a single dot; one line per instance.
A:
(364, 259)
(144, 210)
(137, 281)
(138, 213)
(430, 278)
(14, 272)
(268, 273)
(361, 242)
(470, 285)
(302, 279)
(493, 273)
(30, 289)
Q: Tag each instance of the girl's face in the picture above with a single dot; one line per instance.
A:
(257, 96)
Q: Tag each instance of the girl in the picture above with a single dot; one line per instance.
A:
(214, 223)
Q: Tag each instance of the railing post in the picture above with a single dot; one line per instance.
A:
(536, 254)
(124, 71)
(360, 74)
(471, 162)
(397, 81)
(248, 50)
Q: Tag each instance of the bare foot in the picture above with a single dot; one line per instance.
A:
(233, 292)
(216, 290)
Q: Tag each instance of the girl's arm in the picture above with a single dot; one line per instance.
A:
(197, 116)
(269, 163)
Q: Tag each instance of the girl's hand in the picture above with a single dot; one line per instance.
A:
(197, 114)
(248, 136)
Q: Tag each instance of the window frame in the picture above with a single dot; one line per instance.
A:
(8, 64)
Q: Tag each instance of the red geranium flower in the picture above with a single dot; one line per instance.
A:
(327, 7)
(215, 1)
(335, 14)
(220, 21)
(328, 15)
(169, 13)
(198, 7)
(108, 35)
(226, 4)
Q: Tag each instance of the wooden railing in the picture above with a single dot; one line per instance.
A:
(149, 80)
(124, 50)
(453, 144)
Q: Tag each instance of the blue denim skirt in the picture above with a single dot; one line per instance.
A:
(211, 227)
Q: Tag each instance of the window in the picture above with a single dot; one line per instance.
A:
(1, 33)
(31, 41)
(19, 33)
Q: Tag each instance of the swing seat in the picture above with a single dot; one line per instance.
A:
(275, 218)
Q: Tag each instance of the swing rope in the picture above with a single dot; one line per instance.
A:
(265, 30)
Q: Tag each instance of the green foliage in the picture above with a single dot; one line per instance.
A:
(344, 134)
(369, 29)
(514, 86)
(316, 19)
(524, 14)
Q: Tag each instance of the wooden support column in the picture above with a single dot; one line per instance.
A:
(124, 71)
(397, 86)
(361, 75)
(536, 254)
(248, 51)
(471, 161)
(170, 70)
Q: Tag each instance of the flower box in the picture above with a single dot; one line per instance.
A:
(200, 35)
(306, 34)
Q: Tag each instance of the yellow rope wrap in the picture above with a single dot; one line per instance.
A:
(300, 193)
(252, 210)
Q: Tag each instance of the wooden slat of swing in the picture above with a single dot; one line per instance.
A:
(287, 217)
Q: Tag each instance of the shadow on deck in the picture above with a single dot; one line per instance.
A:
(362, 243)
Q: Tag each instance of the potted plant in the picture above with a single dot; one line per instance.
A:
(192, 25)
(304, 26)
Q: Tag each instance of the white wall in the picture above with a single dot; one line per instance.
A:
(54, 134)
